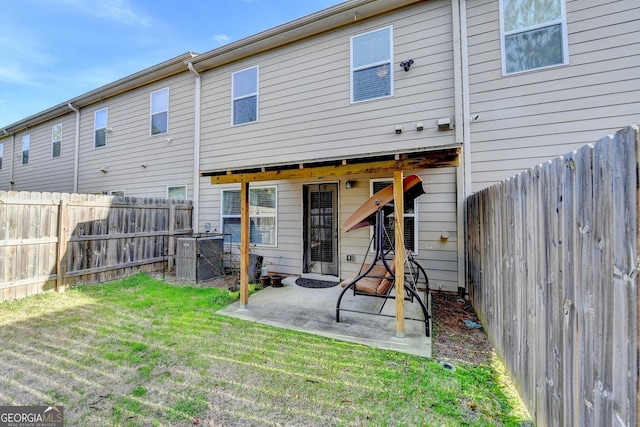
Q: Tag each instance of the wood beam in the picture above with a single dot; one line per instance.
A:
(244, 245)
(398, 210)
(433, 159)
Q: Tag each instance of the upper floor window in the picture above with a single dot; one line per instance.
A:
(178, 192)
(26, 142)
(244, 88)
(160, 111)
(56, 140)
(100, 127)
(371, 70)
(262, 215)
(410, 221)
(534, 34)
(1, 153)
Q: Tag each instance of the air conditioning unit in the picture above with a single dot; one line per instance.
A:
(199, 258)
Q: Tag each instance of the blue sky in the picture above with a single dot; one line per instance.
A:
(55, 50)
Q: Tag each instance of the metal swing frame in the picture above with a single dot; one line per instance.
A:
(411, 278)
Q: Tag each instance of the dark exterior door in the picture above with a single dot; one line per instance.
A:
(321, 229)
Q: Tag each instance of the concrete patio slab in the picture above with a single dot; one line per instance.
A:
(314, 311)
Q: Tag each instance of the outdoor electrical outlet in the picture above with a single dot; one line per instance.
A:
(207, 227)
(349, 257)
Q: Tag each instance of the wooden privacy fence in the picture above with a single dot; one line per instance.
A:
(552, 273)
(49, 241)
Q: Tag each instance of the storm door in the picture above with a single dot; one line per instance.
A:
(321, 228)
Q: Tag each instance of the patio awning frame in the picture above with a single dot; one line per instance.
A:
(322, 169)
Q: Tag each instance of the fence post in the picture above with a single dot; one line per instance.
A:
(172, 239)
(63, 233)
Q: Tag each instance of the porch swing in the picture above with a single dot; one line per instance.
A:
(377, 278)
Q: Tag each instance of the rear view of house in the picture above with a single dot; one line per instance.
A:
(317, 114)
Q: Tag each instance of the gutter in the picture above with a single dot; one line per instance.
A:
(142, 78)
(76, 158)
(13, 158)
(196, 149)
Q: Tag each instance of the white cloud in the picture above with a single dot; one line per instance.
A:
(120, 11)
(221, 39)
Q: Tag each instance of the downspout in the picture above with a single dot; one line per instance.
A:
(76, 158)
(461, 108)
(13, 159)
(196, 150)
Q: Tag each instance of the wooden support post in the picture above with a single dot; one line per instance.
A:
(63, 236)
(398, 210)
(244, 244)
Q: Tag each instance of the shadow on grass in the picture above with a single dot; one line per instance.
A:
(141, 352)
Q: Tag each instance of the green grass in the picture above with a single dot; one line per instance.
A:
(142, 352)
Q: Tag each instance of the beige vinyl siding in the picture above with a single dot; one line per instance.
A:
(304, 106)
(436, 214)
(42, 173)
(528, 118)
(130, 144)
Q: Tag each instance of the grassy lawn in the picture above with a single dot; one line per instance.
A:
(142, 352)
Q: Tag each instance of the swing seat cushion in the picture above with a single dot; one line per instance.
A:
(377, 281)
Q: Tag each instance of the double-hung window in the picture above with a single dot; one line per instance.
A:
(26, 142)
(533, 34)
(410, 221)
(160, 111)
(244, 94)
(371, 65)
(56, 140)
(1, 153)
(262, 215)
(100, 127)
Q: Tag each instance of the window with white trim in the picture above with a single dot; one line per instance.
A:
(26, 143)
(56, 140)
(410, 220)
(262, 215)
(1, 153)
(100, 127)
(244, 96)
(533, 34)
(160, 111)
(371, 65)
(178, 192)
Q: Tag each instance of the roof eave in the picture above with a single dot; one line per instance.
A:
(149, 75)
(325, 20)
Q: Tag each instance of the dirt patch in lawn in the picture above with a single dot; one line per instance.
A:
(453, 338)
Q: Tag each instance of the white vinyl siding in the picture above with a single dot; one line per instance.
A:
(26, 144)
(159, 112)
(177, 192)
(100, 127)
(533, 34)
(262, 215)
(245, 96)
(529, 118)
(56, 140)
(372, 65)
(129, 146)
(305, 108)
